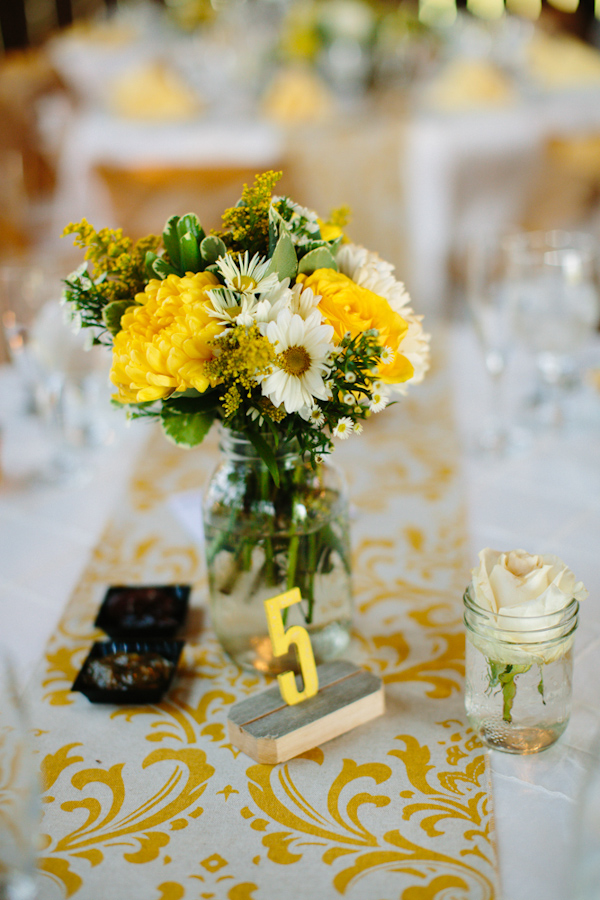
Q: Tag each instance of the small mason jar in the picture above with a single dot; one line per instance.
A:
(518, 675)
(263, 539)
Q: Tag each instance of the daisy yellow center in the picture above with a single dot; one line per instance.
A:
(295, 361)
(244, 283)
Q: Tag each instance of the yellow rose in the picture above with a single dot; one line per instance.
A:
(164, 343)
(349, 307)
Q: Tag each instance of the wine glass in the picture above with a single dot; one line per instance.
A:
(488, 300)
(19, 793)
(553, 277)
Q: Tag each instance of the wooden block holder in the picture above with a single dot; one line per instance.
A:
(270, 731)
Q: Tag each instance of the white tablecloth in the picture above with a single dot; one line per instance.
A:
(547, 499)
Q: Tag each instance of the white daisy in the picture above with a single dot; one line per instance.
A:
(245, 275)
(231, 307)
(303, 348)
(344, 428)
(272, 303)
(387, 356)
(379, 400)
(316, 417)
(358, 428)
(350, 377)
(301, 223)
(349, 399)
(303, 302)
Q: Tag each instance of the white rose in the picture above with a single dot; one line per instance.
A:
(524, 586)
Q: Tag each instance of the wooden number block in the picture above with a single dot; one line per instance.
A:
(270, 731)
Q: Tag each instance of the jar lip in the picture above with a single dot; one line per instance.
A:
(566, 612)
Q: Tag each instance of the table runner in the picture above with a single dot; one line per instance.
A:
(154, 803)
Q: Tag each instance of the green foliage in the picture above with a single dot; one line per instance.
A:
(211, 248)
(111, 314)
(503, 675)
(118, 271)
(320, 258)
(284, 261)
(186, 429)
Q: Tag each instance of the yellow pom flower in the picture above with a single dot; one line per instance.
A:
(164, 343)
(348, 307)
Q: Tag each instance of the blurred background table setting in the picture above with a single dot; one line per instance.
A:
(466, 142)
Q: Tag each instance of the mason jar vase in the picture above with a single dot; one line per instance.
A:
(518, 675)
(263, 539)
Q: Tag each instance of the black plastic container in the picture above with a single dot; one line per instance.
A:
(143, 611)
(148, 666)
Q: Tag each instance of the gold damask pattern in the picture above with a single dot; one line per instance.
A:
(154, 803)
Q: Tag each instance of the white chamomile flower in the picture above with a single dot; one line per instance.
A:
(349, 399)
(350, 377)
(378, 401)
(272, 303)
(316, 417)
(245, 275)
(358, 428)
(231, 307)
(301, 223)
(303, 302)
(303, 348)
(344, 428)
(386, 356)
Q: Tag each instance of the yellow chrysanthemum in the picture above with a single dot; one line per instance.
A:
(164, 343)
(352, 308)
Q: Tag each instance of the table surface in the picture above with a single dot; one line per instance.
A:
(545, 498)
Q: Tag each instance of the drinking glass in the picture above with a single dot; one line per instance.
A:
(553, 277)
(19, 794)
(488, 301)
(58, 378)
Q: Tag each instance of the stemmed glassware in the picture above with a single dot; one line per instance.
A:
(554, 287)
(58, 378)
(489, 303)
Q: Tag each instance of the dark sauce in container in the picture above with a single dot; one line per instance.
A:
(143, 611)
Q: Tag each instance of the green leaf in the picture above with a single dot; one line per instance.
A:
(284, 262)
(163, 269)
(112, 312)
(189, 392)
(186, 429)
(321, 258)
(190, 222)
(191, 260)
(505, 676)
(171, 241)
(211, 248)
(192, 403)
(149, 263)
(266, 454)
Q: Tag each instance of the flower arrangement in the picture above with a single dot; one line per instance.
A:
(290, 337)
(276, 325)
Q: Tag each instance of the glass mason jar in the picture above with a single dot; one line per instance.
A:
(518, 676)
(262, 539)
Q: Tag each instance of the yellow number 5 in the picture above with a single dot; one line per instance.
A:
(281, 640)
